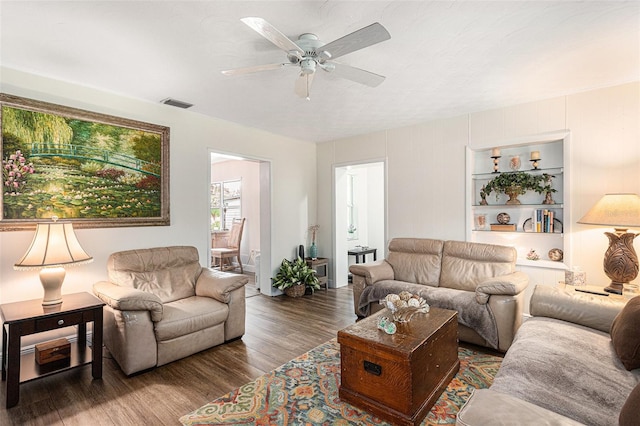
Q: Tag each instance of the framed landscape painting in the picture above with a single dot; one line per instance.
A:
(92, 169)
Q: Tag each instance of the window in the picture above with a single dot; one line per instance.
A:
(225, 204)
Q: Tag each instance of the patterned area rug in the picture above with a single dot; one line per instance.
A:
(304, 391)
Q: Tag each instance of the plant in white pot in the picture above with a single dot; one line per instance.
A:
(294, 277)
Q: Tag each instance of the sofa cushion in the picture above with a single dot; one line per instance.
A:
(625, 335)
(470, 313)
(630, 409)
(189, 315)
(168, 272)
(416, 260)
(542, 367)
(487, 407)
(465, 264)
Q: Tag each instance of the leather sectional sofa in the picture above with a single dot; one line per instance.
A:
(163, 306)
(576, 361)
(479, 281)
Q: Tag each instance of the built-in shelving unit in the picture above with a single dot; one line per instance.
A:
(553, 151)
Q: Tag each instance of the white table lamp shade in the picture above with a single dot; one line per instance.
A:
(54, 247)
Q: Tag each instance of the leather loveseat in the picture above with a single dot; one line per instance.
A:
(575, 361)
(479, 281)
(163, 306)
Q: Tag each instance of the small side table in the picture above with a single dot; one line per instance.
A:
(363, 252)
(30, 317)
(321, 266)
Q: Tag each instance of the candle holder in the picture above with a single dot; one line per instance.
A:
(496, 160)
(534, 163)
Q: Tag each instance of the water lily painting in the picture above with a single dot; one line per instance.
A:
(93, 169)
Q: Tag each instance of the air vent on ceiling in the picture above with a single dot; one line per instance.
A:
(176, 103)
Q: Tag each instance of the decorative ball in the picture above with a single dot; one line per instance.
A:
(556, 254)
(503, 218)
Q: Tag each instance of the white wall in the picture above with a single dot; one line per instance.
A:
(293, 196)
(426, 166)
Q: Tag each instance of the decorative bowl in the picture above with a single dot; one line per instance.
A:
(404, 306)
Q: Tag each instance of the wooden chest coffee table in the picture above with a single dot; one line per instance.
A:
(399, 377)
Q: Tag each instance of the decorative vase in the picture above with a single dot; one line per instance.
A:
(514, 162)
(295, 290)
(513, 192)
(503, 218)
(548, 199)
(313, 251)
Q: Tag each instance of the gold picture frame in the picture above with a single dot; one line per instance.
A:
(93, 169)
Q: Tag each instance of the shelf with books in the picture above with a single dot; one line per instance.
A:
(538, 220)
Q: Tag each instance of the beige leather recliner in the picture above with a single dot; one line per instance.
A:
(163, 306)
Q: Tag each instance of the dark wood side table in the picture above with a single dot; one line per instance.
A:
(321, 266)
(30, 317)
(357, 252)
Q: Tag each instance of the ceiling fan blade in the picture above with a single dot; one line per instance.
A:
(364, 37)
(303, 85)
(269, 32)
(356, 74)
(257, 68)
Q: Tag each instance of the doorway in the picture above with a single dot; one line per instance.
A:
(240, 187)
(360, 214)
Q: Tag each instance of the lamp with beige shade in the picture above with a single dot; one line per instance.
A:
(621, 211)
(54, 247)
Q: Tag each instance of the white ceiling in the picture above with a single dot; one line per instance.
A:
(443, 59)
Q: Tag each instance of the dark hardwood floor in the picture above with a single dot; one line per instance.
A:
(277, 330)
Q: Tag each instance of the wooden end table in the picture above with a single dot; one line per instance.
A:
(30, 317)
(321, 266)
(398, 377)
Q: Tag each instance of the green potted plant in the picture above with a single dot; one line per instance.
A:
(517, 183)
(294, 277)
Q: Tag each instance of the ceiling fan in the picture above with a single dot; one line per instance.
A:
(309, 53)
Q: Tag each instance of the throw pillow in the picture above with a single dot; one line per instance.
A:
(630, 409)
(625, 336)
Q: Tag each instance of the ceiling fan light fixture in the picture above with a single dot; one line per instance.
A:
(324, 55)
(328, 67)
(308, 66)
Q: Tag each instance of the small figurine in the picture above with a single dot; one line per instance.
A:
(532, 255)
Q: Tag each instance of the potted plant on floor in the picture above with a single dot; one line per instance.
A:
(294, 277)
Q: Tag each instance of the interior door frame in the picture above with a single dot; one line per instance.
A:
(266, 189)
(338, 247)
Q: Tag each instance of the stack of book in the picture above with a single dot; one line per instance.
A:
(542, 220)
(503, 226)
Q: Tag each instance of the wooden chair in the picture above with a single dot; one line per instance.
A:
(221, 255)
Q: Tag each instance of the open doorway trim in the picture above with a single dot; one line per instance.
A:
(266, 212)
(336, 244)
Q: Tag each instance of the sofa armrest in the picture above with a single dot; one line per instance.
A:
(487, 407)
(219, 285)
(128, 299)
(504, 285)
(597, 312)
(374, 271)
